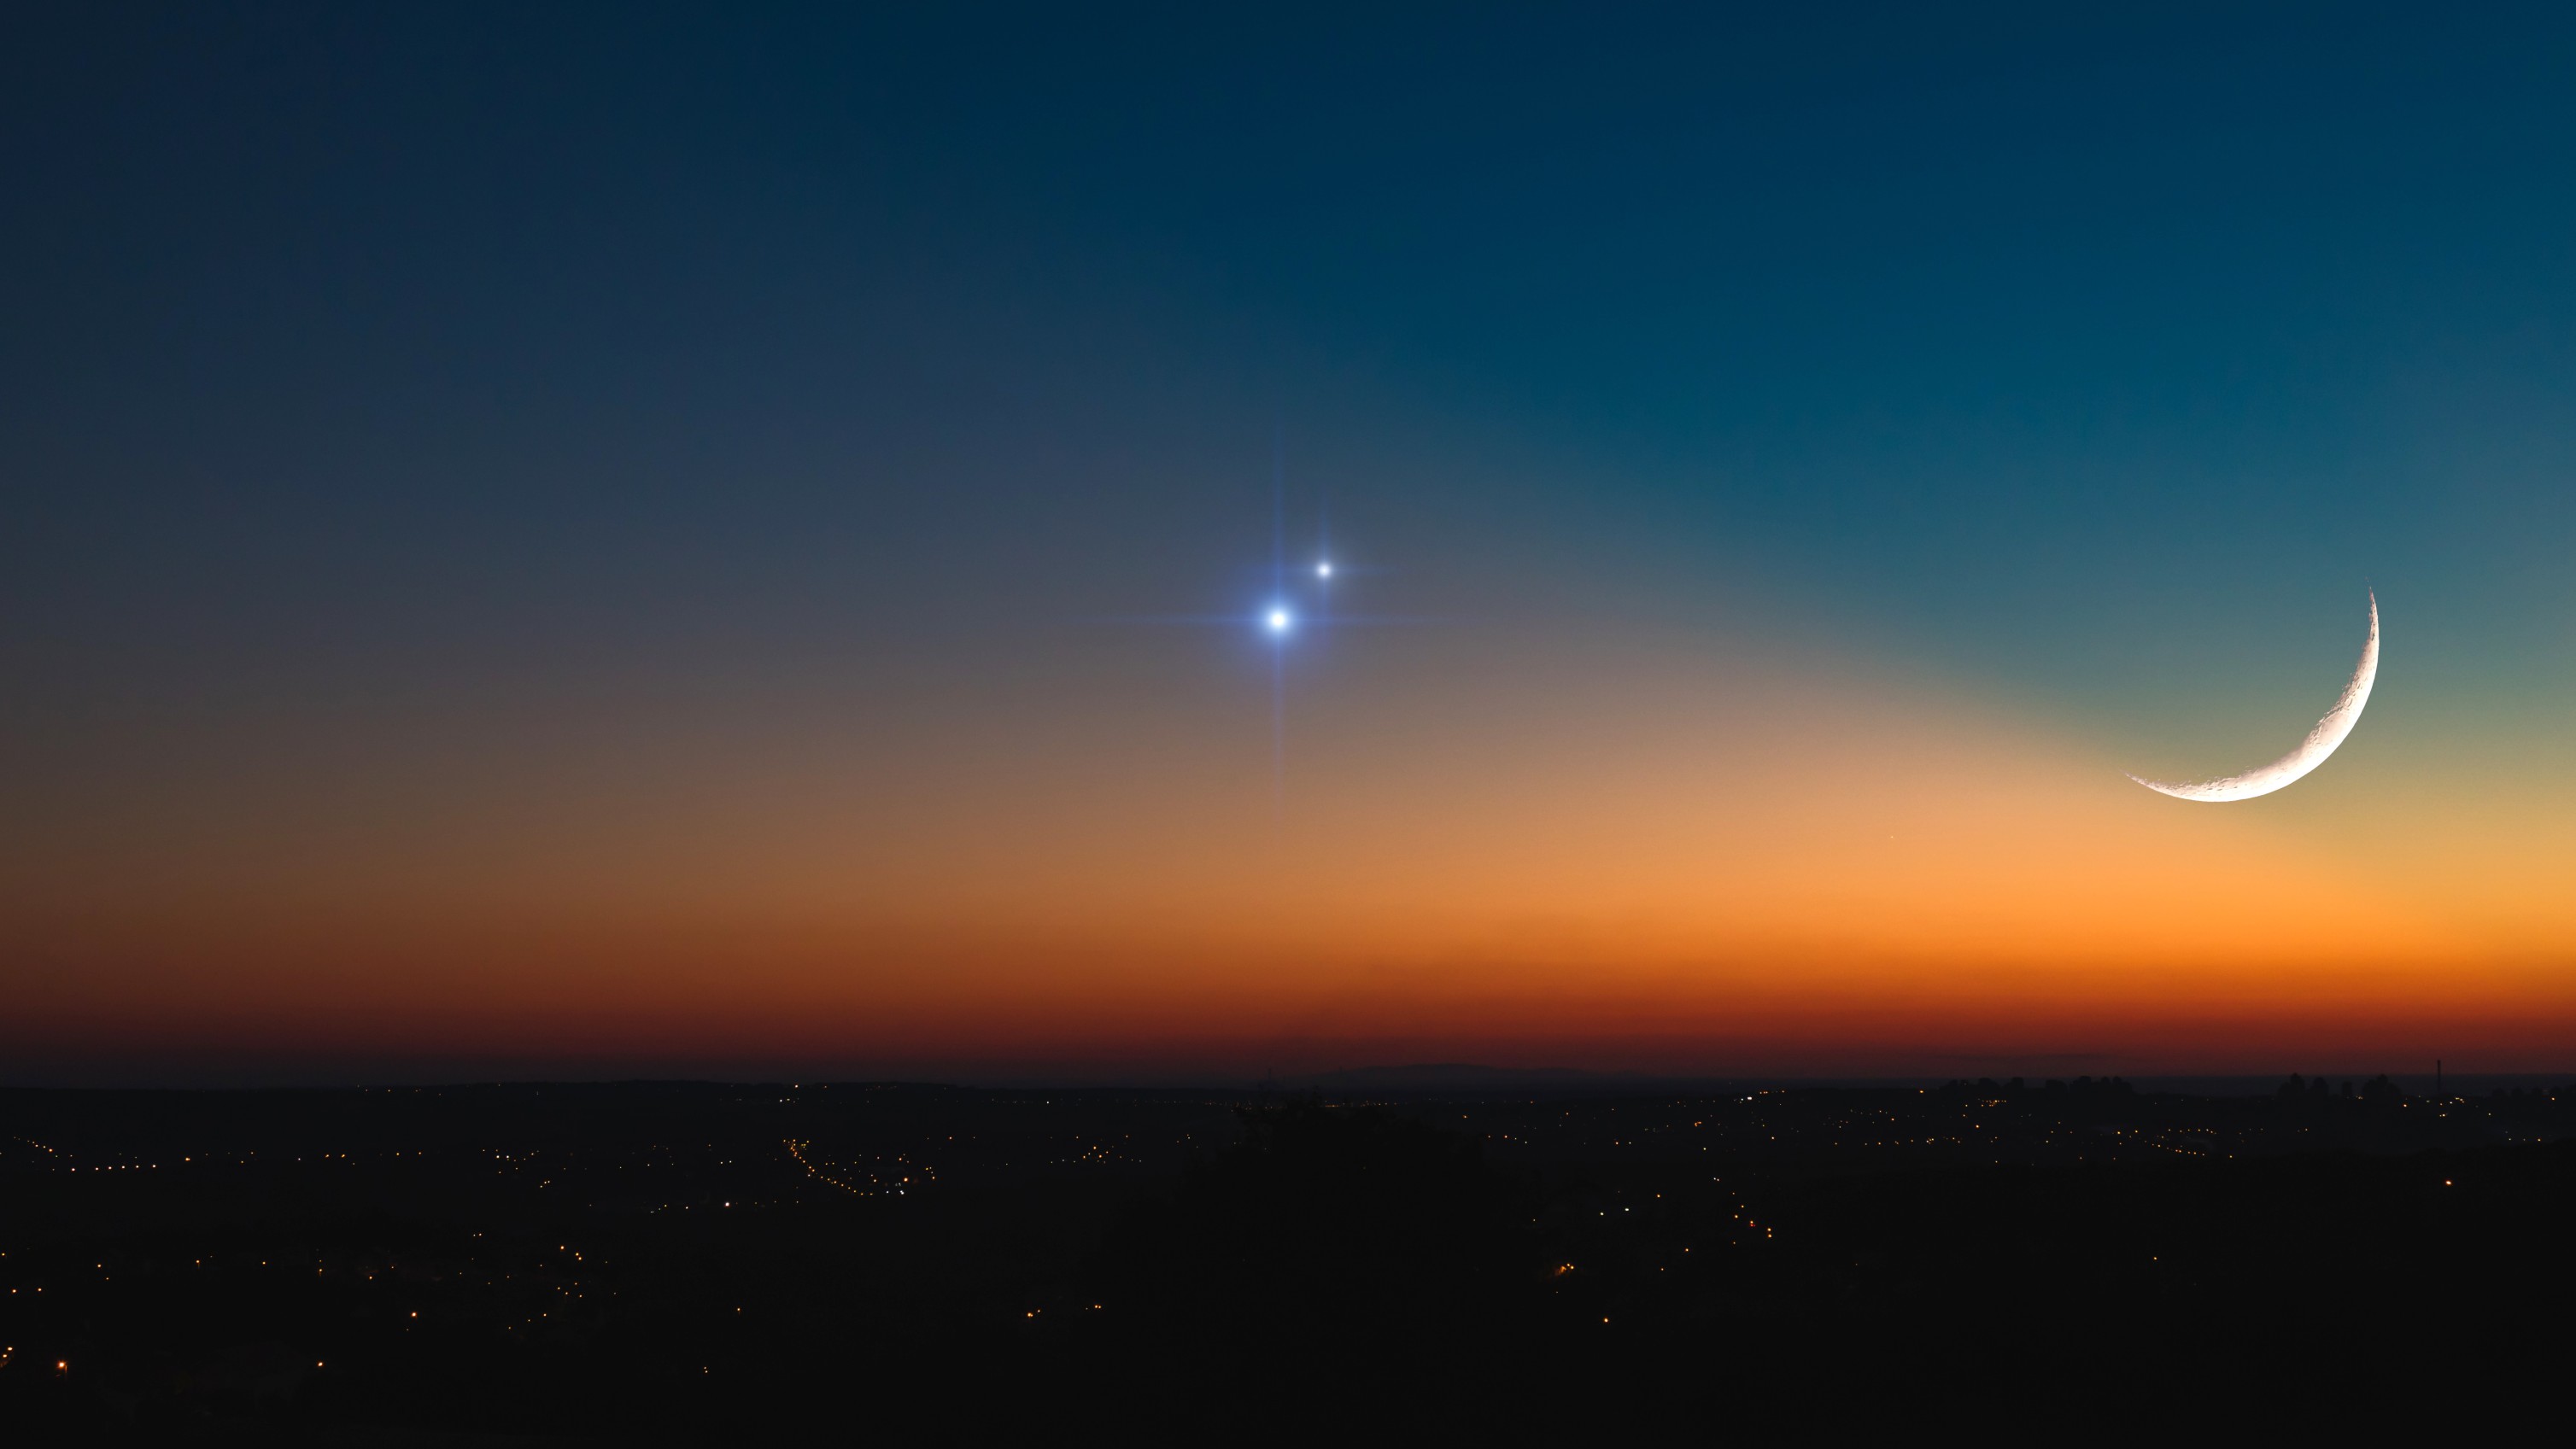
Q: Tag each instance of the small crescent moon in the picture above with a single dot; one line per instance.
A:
(2311, 752)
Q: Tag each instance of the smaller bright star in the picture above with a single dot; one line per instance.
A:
(1278, 620)
(1324, 570)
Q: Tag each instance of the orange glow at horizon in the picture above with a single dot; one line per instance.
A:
(1627, 857)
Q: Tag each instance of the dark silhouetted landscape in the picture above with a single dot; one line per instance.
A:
(635, 1260)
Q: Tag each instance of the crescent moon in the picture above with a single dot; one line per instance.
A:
(2311, 752)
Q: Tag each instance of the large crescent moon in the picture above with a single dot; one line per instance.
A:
(2311, 752)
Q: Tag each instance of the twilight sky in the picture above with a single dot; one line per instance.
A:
(560, 540)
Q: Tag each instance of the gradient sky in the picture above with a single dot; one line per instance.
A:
(559, 540)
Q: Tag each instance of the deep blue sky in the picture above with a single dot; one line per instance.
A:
(2096, 355)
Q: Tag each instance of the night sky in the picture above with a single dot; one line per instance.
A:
(569, 541)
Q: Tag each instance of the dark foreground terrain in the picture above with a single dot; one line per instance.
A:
(860, 1262)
